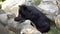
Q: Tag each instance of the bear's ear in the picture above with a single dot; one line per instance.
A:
(23, 6)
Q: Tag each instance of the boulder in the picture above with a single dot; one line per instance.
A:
(57, 21)
(11, 6)
(26, 28)
(3, 30)
(49, 8)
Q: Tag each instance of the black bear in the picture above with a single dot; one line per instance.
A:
(41, 22)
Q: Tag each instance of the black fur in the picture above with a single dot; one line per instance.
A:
(33, 14)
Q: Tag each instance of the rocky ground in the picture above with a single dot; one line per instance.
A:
(53, 30)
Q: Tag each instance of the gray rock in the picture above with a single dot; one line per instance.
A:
(26, 28)
(57, 22)
(49, 8)
(2, 11)
(11, 6)
(3, 30)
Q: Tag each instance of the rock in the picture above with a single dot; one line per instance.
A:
(4, 17)
(57, 21)
(26, 28)
(54, 1)
(2, 11)
(7, 20)
(28, 2)
(22, 28)
(58, 4)
(11, 6)
(3, 30)
(49, 8)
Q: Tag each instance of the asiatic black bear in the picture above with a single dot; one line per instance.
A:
(41, 22)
